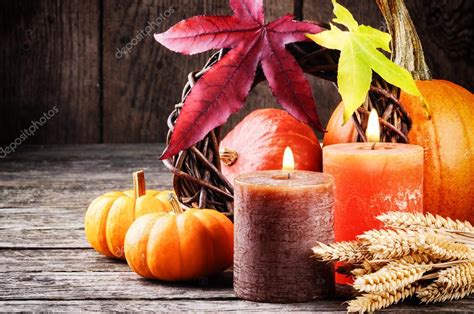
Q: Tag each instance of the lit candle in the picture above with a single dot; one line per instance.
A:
(279, 215)
(370, 179)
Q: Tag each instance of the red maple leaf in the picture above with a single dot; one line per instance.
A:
(223, 89)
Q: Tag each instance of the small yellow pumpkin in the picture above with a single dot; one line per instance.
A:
(180, 246)
(109, 216)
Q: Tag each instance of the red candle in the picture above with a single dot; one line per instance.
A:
(370, 179)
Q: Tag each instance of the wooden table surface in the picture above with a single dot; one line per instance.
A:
(47, 264)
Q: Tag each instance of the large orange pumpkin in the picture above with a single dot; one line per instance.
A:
(259, 141)
(109, 216)
(179, 246)
(448, 139)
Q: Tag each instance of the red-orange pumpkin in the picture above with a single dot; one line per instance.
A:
(259, 140)
(448, 139)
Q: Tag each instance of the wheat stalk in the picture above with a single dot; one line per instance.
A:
(399, 243)
(426, 255)
(390, 243)
(350, 252)
(371, 302)
(445, 249)
(367, 267)
(457, 276)
(437, 292)
(416, 220)
(393, 276)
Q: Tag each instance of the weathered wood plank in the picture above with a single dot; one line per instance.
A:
(108, 285)
(327, 306)
(72, 176)
(49, 57)
(43, 238)
(168, 306)
(62, 260)
(142, 86)
(41, 218)
(199, 305)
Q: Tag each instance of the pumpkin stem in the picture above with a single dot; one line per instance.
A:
(228, 156)
(407, 50)
(177, 209)
(139, 183)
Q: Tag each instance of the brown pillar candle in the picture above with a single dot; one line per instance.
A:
(279, 216)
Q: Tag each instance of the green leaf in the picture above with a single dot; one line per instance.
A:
(332, 39)
(379, 38)
(353, 79)
(388, 70)
(360, 56)
(344, 17)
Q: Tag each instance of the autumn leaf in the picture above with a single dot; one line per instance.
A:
(360, 55)
(223, 90)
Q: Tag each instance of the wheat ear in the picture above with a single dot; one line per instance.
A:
(371, 302)
(350, 252)
(416, 220)
(388, 244)
(394, 276)
(437, 292)
(457, 276)
(442, 248)
(399, 243)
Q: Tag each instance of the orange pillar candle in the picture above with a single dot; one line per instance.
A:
(370, 179)
(279, 215)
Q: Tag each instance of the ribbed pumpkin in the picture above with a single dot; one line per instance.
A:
(448, 139)
(180, 246)
(109, 216)
(259, 140)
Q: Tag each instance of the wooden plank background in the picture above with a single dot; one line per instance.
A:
(64, 54)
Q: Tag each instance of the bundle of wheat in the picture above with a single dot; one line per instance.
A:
(422, 255)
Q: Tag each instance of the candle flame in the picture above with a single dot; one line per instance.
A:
(288, 159)
(373, 127)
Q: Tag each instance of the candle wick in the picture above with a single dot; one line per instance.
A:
(373, 145)
(289, 175)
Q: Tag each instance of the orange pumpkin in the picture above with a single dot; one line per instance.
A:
(179, 246)
(259, 140)
(336, 131)
(448, 139)
(109, 216)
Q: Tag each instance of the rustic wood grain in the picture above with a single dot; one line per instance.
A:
(199, 305)
(49, 57)
(169, 306)
(58, 260)
(108, 285)
(141, 88)
(66, 238)
(72, 175)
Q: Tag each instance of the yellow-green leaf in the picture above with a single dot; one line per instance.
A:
(353, 79)
(389, 71)
(332, 39)
(378, 38)
(360, 56)
(344, 17)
